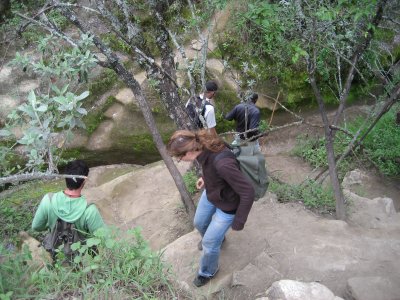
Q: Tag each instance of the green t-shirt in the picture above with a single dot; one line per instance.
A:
(86, 217)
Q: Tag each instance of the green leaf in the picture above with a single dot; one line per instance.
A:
(110, 243)
(42, 108)
(92, 242)
(5, 132)
(82, 96)
(75, 246)
(77, 259)
(55, 89)
(82, 111)
(32, 98)
(83, 249)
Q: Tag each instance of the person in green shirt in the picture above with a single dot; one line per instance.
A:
(69, 205)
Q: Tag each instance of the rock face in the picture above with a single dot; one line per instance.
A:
(143, 197)
(296, 290)
(285, 241)
(372, 288)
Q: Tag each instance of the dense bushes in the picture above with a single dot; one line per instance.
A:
(380, 147)
(123, 269)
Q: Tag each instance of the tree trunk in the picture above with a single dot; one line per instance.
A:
(169, 91)
(337, 190)
(130, 81)
(329, 136)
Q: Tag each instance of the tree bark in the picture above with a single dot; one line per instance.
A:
(329, 136)
(169, 92)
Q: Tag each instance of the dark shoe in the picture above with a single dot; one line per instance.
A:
(200, 244)
(200, 280)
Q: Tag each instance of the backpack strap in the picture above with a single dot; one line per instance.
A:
(246, 117)
(203, 104)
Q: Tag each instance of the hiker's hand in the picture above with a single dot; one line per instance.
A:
(237, 226)
(200, 183)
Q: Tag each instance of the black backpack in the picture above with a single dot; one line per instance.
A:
(196, 111)
(63, 233)
(252, 165)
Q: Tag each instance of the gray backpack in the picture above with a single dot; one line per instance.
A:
(63, 233)
(252, 165)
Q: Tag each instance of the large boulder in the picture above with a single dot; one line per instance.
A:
(296, 290)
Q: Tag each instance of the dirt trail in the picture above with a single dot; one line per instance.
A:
(280, 241)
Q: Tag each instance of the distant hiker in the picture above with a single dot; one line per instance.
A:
(68, 206)
(239, 112)
(226, 200)
(206, 107)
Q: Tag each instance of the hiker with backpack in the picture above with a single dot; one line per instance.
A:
(226, 200)
(201, 109)
(67, 212)
(247, 117)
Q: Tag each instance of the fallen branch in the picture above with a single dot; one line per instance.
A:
(36, 175)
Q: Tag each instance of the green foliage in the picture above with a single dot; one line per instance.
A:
(52, 107)
(100, 85)
(190, 179)
(94, 118)
(382, 144)
(312, 150)
(31, 34)
(17, 208)
(12, 272)
(279, 35)
(384, 35)
(122, 268)
(312, 194)
(143, 142)
(115, 43)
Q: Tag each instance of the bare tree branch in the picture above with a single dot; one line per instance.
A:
(49, 28)
(357, 54)
(34, 176)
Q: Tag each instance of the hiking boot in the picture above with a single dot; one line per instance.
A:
(200, 280)
(200, 244)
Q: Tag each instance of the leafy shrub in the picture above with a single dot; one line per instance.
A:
(94, 118)
(190, 179)
(312, 150)
(312, 194)
(382, 144)
(17, 209)
(123, 268)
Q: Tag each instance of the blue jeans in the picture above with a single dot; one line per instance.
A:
(212, 223)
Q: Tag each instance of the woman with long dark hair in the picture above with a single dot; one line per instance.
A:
(226, 200)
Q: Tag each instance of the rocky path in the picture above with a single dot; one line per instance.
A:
(358, 259)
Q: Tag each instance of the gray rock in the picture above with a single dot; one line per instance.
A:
(296, 290)
(372, 288)
(372, 213)
(354, 177)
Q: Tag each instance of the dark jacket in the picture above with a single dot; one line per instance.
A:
(253, 118)
(226, 186)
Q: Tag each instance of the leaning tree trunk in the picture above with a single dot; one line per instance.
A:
(329, 136)
(337, 190)
(130, 81)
